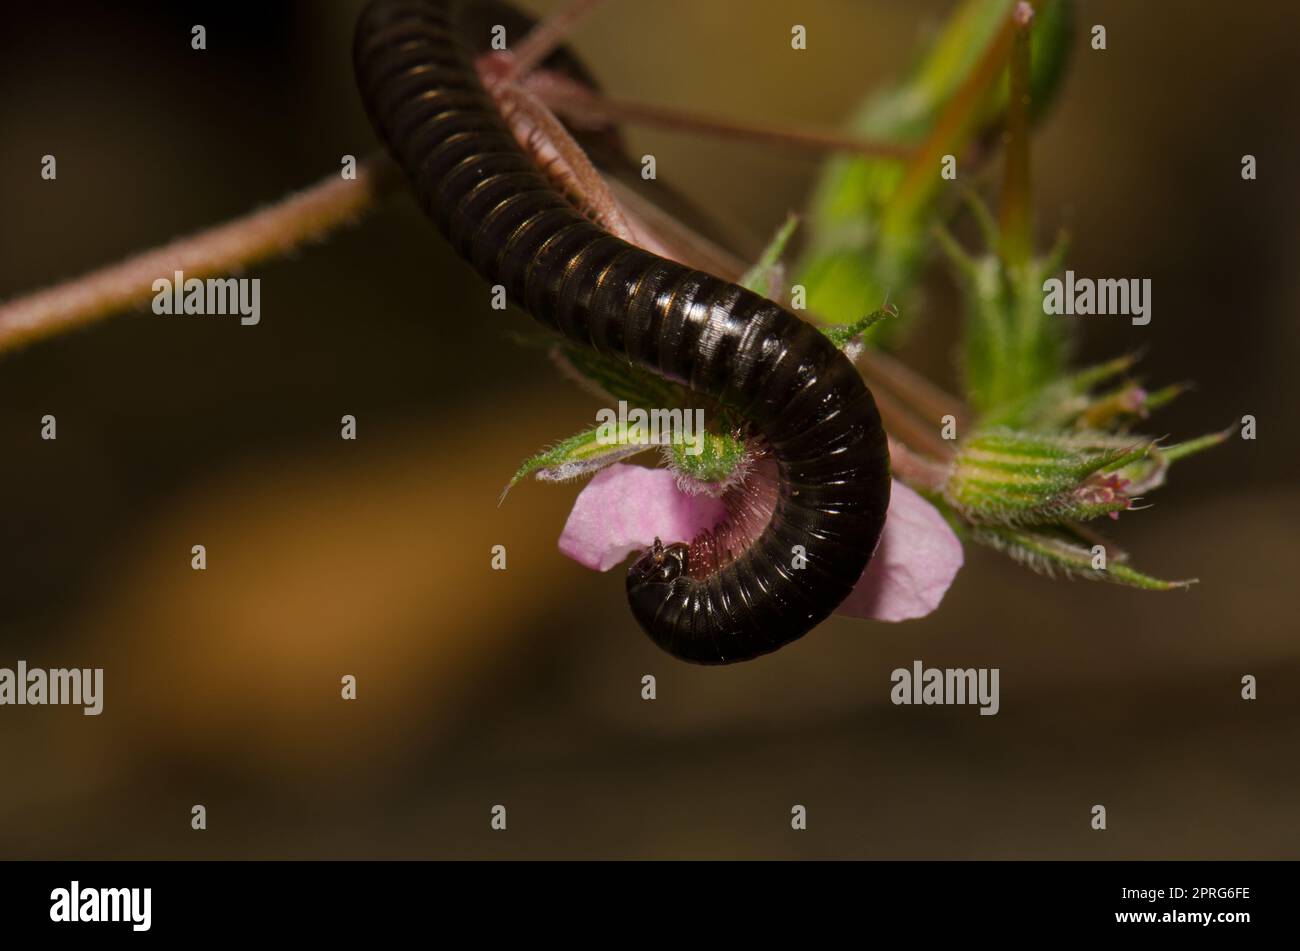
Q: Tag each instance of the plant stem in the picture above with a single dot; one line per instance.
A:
(546, 36)
(903, 426)
(1015, 217)
(589, 106)
(304, 216)
(927, 399)
(961, 112)
(920, 473)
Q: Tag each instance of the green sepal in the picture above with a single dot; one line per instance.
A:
(1017, 478)
(1053, 550)
(844, 334)
(581, 454)
(720, 462)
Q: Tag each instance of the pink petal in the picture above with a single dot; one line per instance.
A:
(625, 508)
(915, 562)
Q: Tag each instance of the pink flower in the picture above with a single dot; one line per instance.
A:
(624, 508)
(914, 565)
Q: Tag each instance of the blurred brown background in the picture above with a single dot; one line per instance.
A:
(522, 687)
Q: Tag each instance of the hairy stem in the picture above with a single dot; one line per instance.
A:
(911, 406)
(577, 105)
(307, 215)
(927, 399)
(547, 35)
(903, 426)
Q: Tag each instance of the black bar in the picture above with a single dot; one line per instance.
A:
(958, 899)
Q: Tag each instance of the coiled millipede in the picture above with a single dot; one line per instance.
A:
(801, 400)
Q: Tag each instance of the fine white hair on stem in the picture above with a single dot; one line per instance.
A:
(308, 215)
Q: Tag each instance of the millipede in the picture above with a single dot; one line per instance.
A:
(803, 405)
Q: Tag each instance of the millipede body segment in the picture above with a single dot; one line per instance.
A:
(801, 399)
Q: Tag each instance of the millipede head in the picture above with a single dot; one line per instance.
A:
(659, 565)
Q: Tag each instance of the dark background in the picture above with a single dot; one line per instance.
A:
(523, 687)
